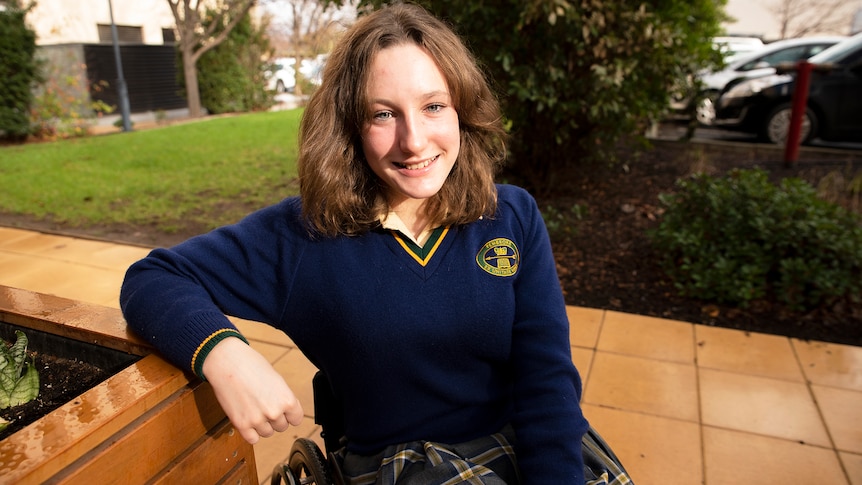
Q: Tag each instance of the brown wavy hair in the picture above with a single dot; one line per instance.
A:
(340, 193)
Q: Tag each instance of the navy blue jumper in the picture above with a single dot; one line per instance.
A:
(444, 343)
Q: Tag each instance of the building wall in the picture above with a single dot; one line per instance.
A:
(66, 74)
(857, 22)
(76, 21)
(754, 18)
(68, 37)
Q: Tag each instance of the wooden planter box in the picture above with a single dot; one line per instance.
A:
(147, 423)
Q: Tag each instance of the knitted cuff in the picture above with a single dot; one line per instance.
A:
(204, 348)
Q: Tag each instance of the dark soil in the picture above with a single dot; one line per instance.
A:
(60, 381)
(606, 261)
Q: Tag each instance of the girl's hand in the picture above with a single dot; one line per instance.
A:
(252, 394)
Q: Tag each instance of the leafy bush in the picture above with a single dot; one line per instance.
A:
(739, 238)
(59, 109)
(18, 72)
(231, 75)
(563, 223)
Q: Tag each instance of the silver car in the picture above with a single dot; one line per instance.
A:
(748, 66)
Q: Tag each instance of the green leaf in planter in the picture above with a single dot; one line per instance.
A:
(19, 380)
(4, 423)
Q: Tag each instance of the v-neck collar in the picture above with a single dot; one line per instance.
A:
(422, 254)
(393, 221)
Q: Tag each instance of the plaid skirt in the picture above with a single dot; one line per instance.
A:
(487, 460)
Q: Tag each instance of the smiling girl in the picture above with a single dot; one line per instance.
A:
(427, 294)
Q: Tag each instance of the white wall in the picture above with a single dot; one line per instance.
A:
(753, 17)
(74, 21)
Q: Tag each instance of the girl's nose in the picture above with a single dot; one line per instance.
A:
(413, 137)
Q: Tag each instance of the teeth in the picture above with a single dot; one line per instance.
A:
(418, 166)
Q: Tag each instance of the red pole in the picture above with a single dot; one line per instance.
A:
(800, 100)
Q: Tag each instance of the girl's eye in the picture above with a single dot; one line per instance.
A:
(436, 108)
(382, 115)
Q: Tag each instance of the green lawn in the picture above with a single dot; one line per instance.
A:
(211, 171)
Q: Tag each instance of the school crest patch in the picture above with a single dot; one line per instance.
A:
(499, 257)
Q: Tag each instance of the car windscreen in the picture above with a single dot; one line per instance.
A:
(839, 51)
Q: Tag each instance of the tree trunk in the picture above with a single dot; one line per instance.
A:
(297, 76)
(193, 95)
(193, 44)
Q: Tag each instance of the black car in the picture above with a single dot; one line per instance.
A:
(834, 111)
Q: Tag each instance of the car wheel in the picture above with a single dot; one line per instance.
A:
(776, 126)
(704, 111)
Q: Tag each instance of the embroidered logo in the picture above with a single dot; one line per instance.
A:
(499, 257)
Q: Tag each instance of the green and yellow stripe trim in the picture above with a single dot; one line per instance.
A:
(204, 348)
(422, 254)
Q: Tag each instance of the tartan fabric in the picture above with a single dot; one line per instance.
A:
(487, 460)
(601, 465)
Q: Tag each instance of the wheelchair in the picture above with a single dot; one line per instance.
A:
(307, 464)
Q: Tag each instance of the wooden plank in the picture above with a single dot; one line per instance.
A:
(216, 457)
(243, 474)
(44, 448)
(78, 320)
(147, 446)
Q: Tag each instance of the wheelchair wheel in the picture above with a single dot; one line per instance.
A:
(306, 465)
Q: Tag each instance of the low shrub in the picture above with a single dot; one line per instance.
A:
(563, 223)
(739, 238)
(61, 107)
(18, 71)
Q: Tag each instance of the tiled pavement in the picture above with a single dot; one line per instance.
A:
(679, 403)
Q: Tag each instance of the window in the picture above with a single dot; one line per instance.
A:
(169, 36)
(126, 34)
(791, 54)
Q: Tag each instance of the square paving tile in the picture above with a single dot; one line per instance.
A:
(584, 325)
(32, 243)
(11, 235)
(648, 386)
(583, 360)
(842, 411)
(653, 449)
(759, 405)
(830, 364)
(78, 282)
(118, 257)
(649, 337)
(72, 250)
(15, 267)
(746, 353)
(734, 457)
(853, 464)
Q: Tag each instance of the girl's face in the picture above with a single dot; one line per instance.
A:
(412, 137)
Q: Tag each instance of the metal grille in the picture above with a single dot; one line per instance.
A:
(126, 34)
(150, 72)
